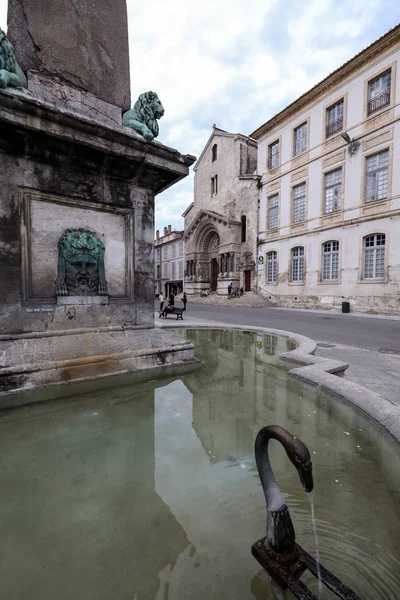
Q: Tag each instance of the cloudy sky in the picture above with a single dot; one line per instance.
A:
(236, 63)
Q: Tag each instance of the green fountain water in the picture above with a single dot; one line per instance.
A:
(147, 491)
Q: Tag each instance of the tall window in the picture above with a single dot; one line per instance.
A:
(330, 261)
(374, 256)
(180, 248)
(181, 269)
(158, 271)
(299, 203)
(273, 208)
(376, 184)
(243, 222)
(214, 153)
(300, 139)
(173, 274)
(333, 191)
(379, 91)
(298, 264)
(173, 250)
(273, 155)
(165, 270)
(165, 252)
(214, 185)
(158, 254)
(334, 118)
(272, 266)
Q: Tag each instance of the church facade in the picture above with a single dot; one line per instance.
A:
(221, 223)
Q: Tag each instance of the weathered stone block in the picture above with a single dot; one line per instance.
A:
(66, 98)
(83, 43)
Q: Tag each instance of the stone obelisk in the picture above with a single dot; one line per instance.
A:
(83, 43)
(77, 203)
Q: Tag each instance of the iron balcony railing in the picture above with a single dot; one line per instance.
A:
(334, 127)
(379, 102)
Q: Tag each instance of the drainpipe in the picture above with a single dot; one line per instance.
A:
(259, 188)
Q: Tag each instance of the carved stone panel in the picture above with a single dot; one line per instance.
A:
(45, 220)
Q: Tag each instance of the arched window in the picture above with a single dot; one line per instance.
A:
(243, 221)
(297, 275)
(272, 259)
(214, 153)
(330, 261)
(374, 256)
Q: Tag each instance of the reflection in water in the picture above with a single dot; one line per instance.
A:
(270, 344)
(150, 491)
(79, 514)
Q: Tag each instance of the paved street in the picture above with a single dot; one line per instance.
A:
(369, 333)
(370, 344)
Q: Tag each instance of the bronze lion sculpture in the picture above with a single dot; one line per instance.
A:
(143, 116)
(11, 74)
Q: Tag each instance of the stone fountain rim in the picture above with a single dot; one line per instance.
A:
(322, 372)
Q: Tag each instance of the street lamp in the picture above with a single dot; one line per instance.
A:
(353, 144)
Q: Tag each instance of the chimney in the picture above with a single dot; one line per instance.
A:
(169, 228)
(157, 235)
(165, 230)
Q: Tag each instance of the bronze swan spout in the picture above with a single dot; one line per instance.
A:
(280, 532)
(278, 552)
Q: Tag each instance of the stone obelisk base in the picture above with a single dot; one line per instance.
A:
(68, 163)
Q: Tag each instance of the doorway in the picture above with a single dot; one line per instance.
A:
(214, 275)
(247, 281)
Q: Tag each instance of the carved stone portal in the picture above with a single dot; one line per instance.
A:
(81, 264)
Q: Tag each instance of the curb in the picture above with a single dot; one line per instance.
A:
(326, 373)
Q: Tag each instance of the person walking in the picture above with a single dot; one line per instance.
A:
(184, 300)
(229, 289)
(161, 297)
(171, 298)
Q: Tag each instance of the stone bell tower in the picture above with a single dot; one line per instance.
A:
(76, 201)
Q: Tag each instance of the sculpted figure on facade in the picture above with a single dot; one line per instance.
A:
(214, 243)
(247, 261)
(81, 264)
(143, 116)
(11, 74)
(205, 271)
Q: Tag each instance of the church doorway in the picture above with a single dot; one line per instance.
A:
(247, 281)
(214, 275)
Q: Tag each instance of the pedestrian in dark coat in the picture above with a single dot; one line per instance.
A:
(184, 300)
(171, 299)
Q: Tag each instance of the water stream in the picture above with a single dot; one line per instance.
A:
(314, 526)
(121, 489)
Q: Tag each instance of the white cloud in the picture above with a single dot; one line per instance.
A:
(3, 14)
(237, 63)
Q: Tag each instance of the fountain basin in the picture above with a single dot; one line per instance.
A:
(150, 489)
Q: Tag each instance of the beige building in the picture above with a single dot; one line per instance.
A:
(168, 263)
(329, 219)
(221, 223)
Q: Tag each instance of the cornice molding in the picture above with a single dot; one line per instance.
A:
(346, 70)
